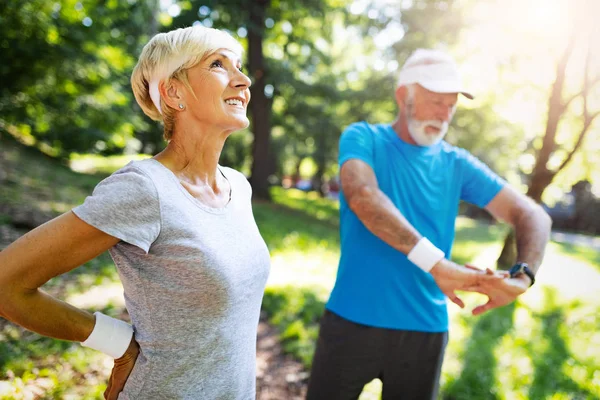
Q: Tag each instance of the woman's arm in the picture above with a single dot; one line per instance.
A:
(52, 249)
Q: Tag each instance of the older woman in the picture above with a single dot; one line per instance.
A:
(180, 230)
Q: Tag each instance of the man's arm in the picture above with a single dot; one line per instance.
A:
(532, 230)
(377, 212)
(530, 222)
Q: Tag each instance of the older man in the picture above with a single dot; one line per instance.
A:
(401, 187)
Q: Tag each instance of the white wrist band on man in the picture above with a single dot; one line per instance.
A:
(111, 336)
(425, 255)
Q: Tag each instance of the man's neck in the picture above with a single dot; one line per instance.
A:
(401, 128)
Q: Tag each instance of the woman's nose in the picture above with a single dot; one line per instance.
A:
(241, 80)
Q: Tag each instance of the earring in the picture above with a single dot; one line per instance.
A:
(181, 106)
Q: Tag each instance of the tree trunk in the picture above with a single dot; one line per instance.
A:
(260, 105)
(541, 177)
(508, 256)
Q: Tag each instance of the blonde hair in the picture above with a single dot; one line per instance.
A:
(168, 56)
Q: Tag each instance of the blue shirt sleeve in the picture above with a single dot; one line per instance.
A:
(479, 183)
(356, 142)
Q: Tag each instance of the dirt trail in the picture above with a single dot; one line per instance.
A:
(278, 376)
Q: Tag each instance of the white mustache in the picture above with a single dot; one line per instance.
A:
(434, 123)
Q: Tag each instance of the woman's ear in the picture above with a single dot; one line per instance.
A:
(171, 93)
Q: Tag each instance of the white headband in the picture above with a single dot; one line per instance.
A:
(155, 94)
(168, 70)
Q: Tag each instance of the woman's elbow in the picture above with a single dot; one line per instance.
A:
(9, 293)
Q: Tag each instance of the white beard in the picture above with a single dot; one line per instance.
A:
(417, 131)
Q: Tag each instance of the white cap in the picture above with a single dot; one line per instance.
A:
(435, 70)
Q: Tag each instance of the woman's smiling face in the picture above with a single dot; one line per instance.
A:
(221, 91)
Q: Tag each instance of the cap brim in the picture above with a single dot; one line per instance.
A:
(446, 87)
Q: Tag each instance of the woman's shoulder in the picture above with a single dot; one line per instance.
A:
(132, 180)
(147, 169)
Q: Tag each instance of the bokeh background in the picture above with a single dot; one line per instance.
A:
(68, 119)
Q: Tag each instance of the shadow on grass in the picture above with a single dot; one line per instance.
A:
(549, 377)
(296, 312)
(477, 380)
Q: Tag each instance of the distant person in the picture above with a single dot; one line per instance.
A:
(401, 187)
(181, 232)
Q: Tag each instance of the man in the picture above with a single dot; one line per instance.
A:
(401, 186)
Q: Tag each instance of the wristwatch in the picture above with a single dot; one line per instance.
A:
(522, 268)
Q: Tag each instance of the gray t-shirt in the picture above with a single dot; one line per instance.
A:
(193, 276)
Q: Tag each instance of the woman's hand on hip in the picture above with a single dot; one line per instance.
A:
(121, 370)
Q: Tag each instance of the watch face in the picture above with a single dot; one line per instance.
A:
(517, 269)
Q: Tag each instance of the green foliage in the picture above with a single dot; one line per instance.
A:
(66, 84)
(310, 203)
(99, 164)
(296, 312)
(43, 185)
(472, 237)
(474, 381)
(285, 229)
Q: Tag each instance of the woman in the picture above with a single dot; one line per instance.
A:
(180, 230)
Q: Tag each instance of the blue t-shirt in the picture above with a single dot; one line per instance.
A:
(376, 285)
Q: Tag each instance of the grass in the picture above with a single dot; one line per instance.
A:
(545, 346)
(96, 164)
(38, 184)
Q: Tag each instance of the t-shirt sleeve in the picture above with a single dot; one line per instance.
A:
(124, 205)
(356, 142)
(479, 184)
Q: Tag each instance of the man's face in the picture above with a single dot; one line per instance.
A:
(428, 114)
(429, 105)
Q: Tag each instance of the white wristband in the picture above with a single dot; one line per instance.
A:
(111, 336)
(425, 255)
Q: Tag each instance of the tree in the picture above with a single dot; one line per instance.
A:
(559, 111)
(260, 105)
(65, 79)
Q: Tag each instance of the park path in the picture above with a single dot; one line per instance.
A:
(592, 242)
(278, 376)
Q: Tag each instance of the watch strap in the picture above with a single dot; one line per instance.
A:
(522, 268)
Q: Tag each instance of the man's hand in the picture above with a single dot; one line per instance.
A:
(121, 371)
(450, 277)
(500, 293)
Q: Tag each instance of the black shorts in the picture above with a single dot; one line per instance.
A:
(350, 355)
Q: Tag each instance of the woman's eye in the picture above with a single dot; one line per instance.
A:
(216, 64)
